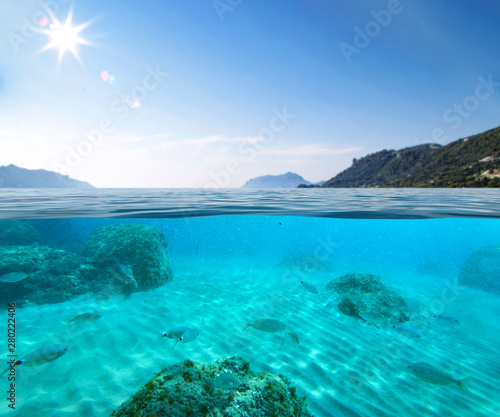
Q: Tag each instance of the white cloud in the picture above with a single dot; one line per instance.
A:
(313, 149)
(166, 160)
(138, 138)
(203, 141)
(39, 141)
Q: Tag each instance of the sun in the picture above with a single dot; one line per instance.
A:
(65, 37)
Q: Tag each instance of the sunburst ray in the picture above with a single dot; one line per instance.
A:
(65, 37)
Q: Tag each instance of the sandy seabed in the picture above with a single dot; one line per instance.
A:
(343, 366)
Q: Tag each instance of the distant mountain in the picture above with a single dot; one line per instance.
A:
(288, 180)
(12, 176)
(469, 162)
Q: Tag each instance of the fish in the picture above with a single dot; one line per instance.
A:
(175, 332)
(294, 337)
(41, 356)
(407, 331)
(309, 287)
(267, 325)
(373, 318)
(445, 317)
(84, 318)
(428, 373)
(13, 277)
(181, 334)
(189, 335)
(126, 270)
(225, 380)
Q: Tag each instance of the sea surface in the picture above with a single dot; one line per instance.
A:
(243, 255)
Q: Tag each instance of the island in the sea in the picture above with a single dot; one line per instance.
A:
(288, 180)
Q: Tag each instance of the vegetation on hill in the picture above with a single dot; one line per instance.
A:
(469, 162)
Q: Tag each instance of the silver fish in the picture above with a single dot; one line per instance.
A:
(433, 375)
(189, 335)
(309, 287)
(175, 332)
(41, 356)
(84, 318)
(225, 380)
(13, 277)
(407, 331)
(125, 270)
(267, 325)
(445, 317)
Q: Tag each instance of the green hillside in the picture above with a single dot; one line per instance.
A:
(468, 162)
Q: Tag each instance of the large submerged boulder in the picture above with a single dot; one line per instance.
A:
(365, 297)
(133, 256)
(117, 259)
(226, 388)
(17, 233)
(53, 275)
(482, 270)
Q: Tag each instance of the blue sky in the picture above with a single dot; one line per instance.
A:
(212, 93)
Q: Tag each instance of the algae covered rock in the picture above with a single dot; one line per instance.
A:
(117, 260)
(17, 233)
(365, 297)
(226, 388)
(482, 270)
(112, 250)
(53, 275)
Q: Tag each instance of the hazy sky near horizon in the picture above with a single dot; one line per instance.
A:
(213, 93)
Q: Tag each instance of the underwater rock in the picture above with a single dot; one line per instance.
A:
(193, 389)
(17, 233)
(142, 249)
(117, 260)
(482, 270)
(53, 275)
(364, 296)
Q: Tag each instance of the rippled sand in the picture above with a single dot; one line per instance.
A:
(345, 368)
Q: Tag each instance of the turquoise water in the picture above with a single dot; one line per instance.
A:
(229, 270)
(397, 203)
